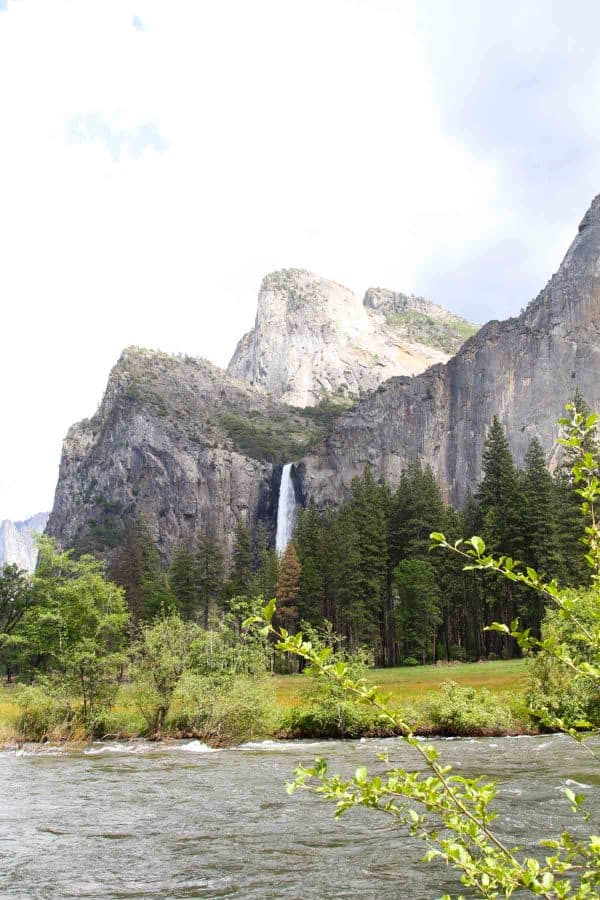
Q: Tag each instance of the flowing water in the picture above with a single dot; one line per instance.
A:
(149, 821)
(286, 510)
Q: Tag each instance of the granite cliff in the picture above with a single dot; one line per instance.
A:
(190, 446)
(313, 338)
(178, 441)
(523, 369)
(17, 541)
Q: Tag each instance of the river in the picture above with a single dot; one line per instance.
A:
(154, 821)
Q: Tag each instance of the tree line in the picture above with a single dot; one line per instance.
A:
(365, 569)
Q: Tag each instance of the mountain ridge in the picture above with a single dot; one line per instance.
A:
(523, 369)
(190, 446)
(313, 337)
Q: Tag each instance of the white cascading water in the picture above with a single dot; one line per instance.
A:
(286, 510)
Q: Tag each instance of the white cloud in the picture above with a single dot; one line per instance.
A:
(303, 134)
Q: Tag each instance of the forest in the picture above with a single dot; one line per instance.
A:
(366, 568)
(363, 579)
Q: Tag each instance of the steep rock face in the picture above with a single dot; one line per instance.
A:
(17, 541)
(524, 370)
(314, 337)
(168, 442)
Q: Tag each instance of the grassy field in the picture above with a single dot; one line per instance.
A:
(406, 684)
(410, 683)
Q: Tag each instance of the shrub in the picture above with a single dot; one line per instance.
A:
(160, 658)
(410, 661)
(241, 710)
(553, 692)
(327, 719)
(459, 710)
(42, 715)
(191, 704)
(227, 711)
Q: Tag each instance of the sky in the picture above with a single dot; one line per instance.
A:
(157, 159)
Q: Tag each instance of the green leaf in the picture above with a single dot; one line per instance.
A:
(478, 545)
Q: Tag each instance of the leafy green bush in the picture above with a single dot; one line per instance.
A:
(42, 715)
(553, 691)
(241, 710)
(327, 719)
(191, 703)
(227, 711)
(160, 658)
(410, 661)
(457, 710)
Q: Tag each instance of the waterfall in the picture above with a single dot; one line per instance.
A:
(286, 510)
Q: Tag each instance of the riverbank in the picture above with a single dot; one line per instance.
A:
(480, 699)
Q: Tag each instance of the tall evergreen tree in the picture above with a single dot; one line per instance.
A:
(368, 514)
(288, 586)
(498, 494)
(208, 574)
(138, 569)
(539, 529)
(240, 578)
(264, 579)
(309, 543)
(416, 510)
(182, 582)
(501, 509)
(343, 576)
(570, 523)
(540, 546)
(418, 612)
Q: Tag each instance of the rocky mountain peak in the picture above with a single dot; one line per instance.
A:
(313, 337)
(523, 370)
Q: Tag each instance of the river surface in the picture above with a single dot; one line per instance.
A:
(151, 821)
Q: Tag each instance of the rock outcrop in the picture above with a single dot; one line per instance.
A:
(17, 541)
(182, 444)
(192, 447)
(524, 370)
(313, 338)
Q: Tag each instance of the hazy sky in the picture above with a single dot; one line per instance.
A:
(158, 157)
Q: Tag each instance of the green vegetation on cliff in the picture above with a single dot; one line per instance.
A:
(447, 334)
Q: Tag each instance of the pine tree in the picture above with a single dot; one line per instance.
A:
(182, 582)
(309, 543)
(539, 525)
(127, 571)
(570, 523)
(570, 530)
(240, 578)
(264, 579)
(367, 510)
(288, 586)
(208, 574)
(416, 510)
(498, 494)
(418, 612)
(138, 569)
(343, 577)
(539, 529)
(501, 510)
(157, 598)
